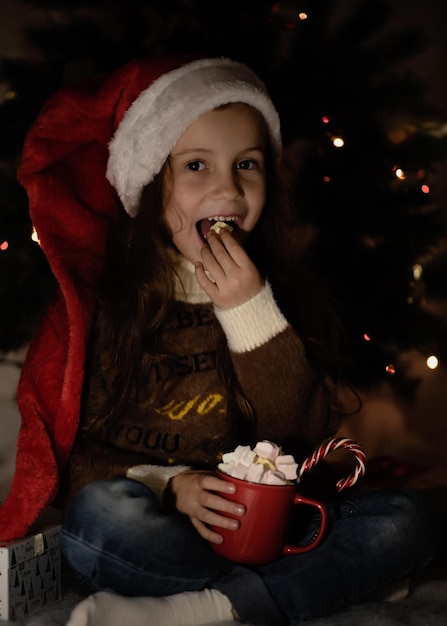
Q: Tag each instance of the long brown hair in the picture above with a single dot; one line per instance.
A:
(137, 289)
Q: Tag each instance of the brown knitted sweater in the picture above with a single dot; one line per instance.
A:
(189, 424)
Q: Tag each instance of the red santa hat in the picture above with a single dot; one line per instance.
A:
(159, 116)
(91, 146)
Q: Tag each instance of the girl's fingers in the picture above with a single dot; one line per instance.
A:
(210, 482)
(207, 518)
(212, 518)
(216, 258)
(223, 280)
(227, 251)
(216, 504)
(234, 248)
(206, 533)
(207, 507)
(205, 281)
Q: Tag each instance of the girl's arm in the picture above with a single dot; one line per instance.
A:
(268, 357)
(271, 365)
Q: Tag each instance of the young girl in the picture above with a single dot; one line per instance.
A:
(199, 342)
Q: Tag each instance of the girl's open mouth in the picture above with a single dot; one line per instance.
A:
(216, 224)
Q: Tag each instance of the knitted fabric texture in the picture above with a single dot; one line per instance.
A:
(73, 207)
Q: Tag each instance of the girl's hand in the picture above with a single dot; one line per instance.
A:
(234, 278)
(194, 496)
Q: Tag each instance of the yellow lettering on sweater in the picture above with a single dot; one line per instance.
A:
(178, 410)
(209, 403)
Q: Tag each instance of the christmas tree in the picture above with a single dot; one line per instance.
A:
(362, 146)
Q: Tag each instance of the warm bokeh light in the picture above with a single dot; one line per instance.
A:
(390, 369)
(35, 236)
(4, 246)
(338, 142)
(432, 362)
(417, 271)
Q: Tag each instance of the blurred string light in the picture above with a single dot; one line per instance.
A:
(338, 142)
(417, 271)
(401, 174)
(6, 93)
(35, 236)
(287, 15)
(4, 245)
(418, 286)
(431, 361)
(390, 368)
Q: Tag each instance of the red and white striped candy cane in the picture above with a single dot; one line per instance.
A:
(329, 446)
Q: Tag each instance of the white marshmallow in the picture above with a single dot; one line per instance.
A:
(286, 464)
(267, 450)
(218, 226)
(255, 473)
(237, 470)
(244, 455)
(264, 464)
(272, 477)
(241, 454)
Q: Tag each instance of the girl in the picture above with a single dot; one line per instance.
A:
(196, 346)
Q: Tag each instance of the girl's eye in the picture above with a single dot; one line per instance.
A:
(195, 166)
(247, 164)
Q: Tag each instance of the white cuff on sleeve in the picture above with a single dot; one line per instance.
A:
(156, 477)
(252, 323)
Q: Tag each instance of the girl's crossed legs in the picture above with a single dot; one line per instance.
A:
(117, 537)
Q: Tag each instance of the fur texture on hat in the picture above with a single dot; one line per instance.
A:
(159, 116)
(73, 206)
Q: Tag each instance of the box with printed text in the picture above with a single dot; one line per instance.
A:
(30, 573)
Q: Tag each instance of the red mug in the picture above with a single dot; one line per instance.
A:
(262, 536)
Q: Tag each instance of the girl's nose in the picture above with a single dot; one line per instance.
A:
(228, 185)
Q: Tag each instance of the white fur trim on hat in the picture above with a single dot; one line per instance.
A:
(158, 117)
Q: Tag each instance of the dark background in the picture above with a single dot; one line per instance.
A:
(376, 68)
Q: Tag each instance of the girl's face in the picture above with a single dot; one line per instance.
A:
(217, 172)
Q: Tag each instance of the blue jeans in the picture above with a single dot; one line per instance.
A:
(116, 536)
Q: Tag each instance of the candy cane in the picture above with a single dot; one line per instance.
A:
(329, 446)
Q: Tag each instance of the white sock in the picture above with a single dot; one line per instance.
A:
(194, 608)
